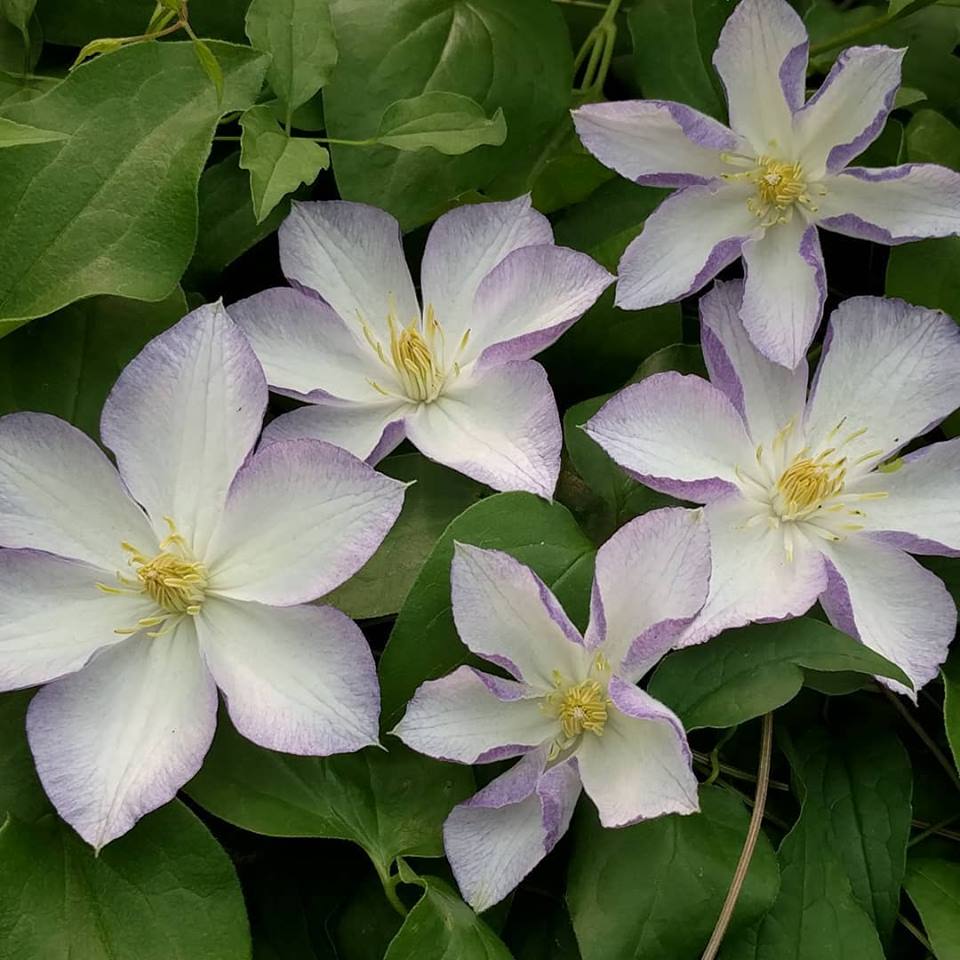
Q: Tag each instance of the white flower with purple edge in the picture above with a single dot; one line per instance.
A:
(456, 378)
(802, 499)
(762, 189)
(572, 711)
(135, 592)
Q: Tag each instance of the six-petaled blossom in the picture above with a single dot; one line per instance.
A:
(456, 377)
(572, 711)
(762, 187)
(134, 592)
(805, 498)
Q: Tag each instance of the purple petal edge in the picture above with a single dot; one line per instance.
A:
(793, 75)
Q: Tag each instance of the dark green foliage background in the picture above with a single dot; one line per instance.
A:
(153, 179)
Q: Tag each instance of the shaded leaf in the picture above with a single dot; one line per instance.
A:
(164, 891)
(21, 794)
(442, 927)
(747, 672)
(17, 134)
(277, 163)
(390, 803)
(655, 889)
(934, 888)
(500, 53)
(125, 225)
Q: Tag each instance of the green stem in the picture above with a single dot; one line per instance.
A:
(904, 922)
(599, 48)
(389, 883)
(582, 3)
(934, 829)
(842, 39)
(749, 844)
(707, 760)
(928, 741)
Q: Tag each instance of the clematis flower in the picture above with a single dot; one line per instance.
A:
(455, 378)
(134, 592)
(572, 710)
(803, 499)
(761, 188)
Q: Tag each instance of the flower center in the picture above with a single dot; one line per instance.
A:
(416, 356)
(807, 483)
(779, 187)
(173, 579)
(579, 707)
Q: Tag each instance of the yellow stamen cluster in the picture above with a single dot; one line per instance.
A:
(807, 483)
(779, 187)
(173, 579)
(580, 707)
(416, 355)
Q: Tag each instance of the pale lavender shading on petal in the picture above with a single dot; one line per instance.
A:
(654, 642)
(630, 700)
(835, 601)
(793, 75)
(722, 255)
(853, 226)
(720, 369)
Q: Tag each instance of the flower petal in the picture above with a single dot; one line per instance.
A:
(55, 618)
(297, 679)
(506, 614)
(59, 493)
(888, 368)
(651, 580)
(882, 596)
(181, 419)
(752, 579)
(529, 299)
(767, 395)
(920, 512)
(892, 205)
(471, 717)
(849, 110)
(785, 289)
(641, 766)
(499, 835)
(351, 255)
(762, 60)
(675, 433)
(655, 142)
(702, 227)
(119, 738)
(306, 350)
(464, 245)
(301, 518)
(500, 427)
(367, 430)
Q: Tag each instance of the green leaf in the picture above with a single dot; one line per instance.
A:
(903, 8)
(500, 53)
(424, 642)
(927, 273)
(20, 792)
(673, 44)
(15, 88)
(655, 889)
(278, 163)
(390, 803)
(164, 891)
(951, 703)
(864, 785)
(934, 888)
(65, 364)
(18, 134)
(18, 12)
(817, 915)
(20, 45)
(437, 496)
(125, 225)
(932, 138)
(299, 37)
(228, 226)
(745, 673)
(447, 122)
(442, 927)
